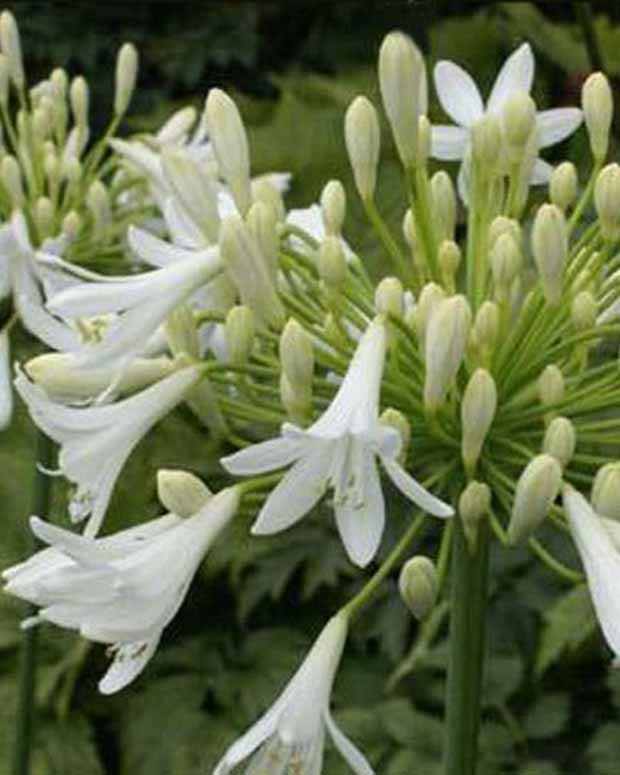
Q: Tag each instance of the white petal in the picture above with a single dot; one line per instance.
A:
(55, 334)
(361, 524)
(182, 228)
(541, 173)
(557, 124)
(601, 562)
(353, 757)
(130, 659)
(266, 456)
(448, 142)
(516, 75)
(414, 491)
(158, 252)
(463, 180)
(458, 94)
(6, 388)
(294, 496)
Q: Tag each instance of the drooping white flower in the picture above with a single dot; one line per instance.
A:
(95, 441)
(598, 544)
(460, 98)
(290, 736)
(339, 450)
(123, 589)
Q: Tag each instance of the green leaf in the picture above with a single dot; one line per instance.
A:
(604, 749)
(539, 768)
(502, 678)
(548, 716)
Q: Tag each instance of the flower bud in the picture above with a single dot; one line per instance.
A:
(126, 74)
(397, 420)
(486, 142)
(363, 140)
(389, 297)
(505, 264)
(4, 79)
(430, 298)
(230, 145)
(332, 264)
(44, 214)
(503, 225)
(550, 248)
(262, 222)
(296, 354)
(563, 185)
(551, 386)
(12, 179)
(71, 224)
(605, 497)
(474, 506)
(584, 310)
(79, 99)
(598, 106)
(333, 207)
(560, 440)
(607, 201)
(418, 585)
(444, 204)
(519, 119)
(402, 80)
(408, 227)
(537, 488)
(264, 191)
(239, 331)
(60, 83)
(250, 272)
(446, 338)
(449, 259)
(486, 327)
(177, 126)
(180, 492)
(424, 141)
(99, 206)
(11, 47)
(477, 412)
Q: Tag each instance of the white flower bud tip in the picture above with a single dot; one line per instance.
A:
(560, 440)
(550, 248)
(551, 386)
(519, 119)
(363, 140)
(474, 505)
(446, 338)
(11, 47)
(418, 585)
(180, 492)
(607, 201)
(598, 106)
(333, 207)
(563, 185)
(240, 331)
(297, 354)
(477, 412)
(444, 204)
(605, 497)
(537, 488)
(389, 296)
(126, 75)
(332, 264)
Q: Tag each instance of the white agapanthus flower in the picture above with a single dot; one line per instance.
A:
(598, 542)
(122, 590)
(290, 737)
(95, 441)
(339, 450)
(6, 389)
(460, 98)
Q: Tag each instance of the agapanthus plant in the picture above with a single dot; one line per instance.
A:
(474, 376)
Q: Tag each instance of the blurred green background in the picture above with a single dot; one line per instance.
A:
(551, 703)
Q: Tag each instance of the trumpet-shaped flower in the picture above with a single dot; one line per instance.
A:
(460, 98)
(97, 440)
(124, 589)
(290, 736)
(339, 450)
(597, 542)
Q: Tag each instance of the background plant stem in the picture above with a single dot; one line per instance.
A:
(25, 716)
(467, 646)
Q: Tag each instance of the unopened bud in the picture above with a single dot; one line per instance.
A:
(477, 412)
(239, 331)
(402, 80)
(397, 420)
(126, 74)
(607, 201)
(264, 191)
(537, 488)
(474, 506)
(333, 207)
(430, 298)
(99, 206)
(424, 141)
(177, 126)
(44, 214)
(71, 224)
(60, 83)
(180, 492)
(418, 585)
(11, 47)
(79, 99)
(503, 225)
(486, 327)
(584, 310)
(230, 145)
(449, 259)
(560, 440)
(550, 248)
(408, 227)
(446, 338)
(363, 140)
(444, 204)
(598, 106)
(519, 119)
(505, 263)
(332, 264)
(296, 354)
(563, 185)
(551, 386)
(486, 139)
(262, 222)
(12, 179)
(605, 497)
(389, 297)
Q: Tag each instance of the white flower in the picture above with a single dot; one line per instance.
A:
(97, 440)
(144, 299)
(461, 100)
(598, 542)
(339, 450)
(6, 390)
(124, 589)
(290, 736)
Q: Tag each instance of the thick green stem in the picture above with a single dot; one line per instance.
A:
(467, 645)
(25, 715)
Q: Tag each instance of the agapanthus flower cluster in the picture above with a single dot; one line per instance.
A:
(476, 376)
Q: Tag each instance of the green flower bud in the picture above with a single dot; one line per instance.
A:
(477, 412)
(519, 121)
(79, 99)
(551, 386)
(12, 179)
(597, 103)
(44, 215)
(11, 47)
(486, 143)
(430, 298)
(424, 141)
(262, 222)
(537, 488)
(505, 263)
(240, 331)
(584, 310)
(607, 201)
(560, 440)
(71, 224)
(333, 207)
(449, 258)
(397, 420)
(486, 327)
(444, 204)
(99, 205)
(60, 83)
(474, 506)
(126, 75)
(5, 75)
(264, 191)
(297, 354)
(563, 185)
(389, 297)
(332, 264)
(408, 227)
(363, 140)
(180, 492)
(418, 585)
(605, 497)
(503, 225)
(550, 248)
